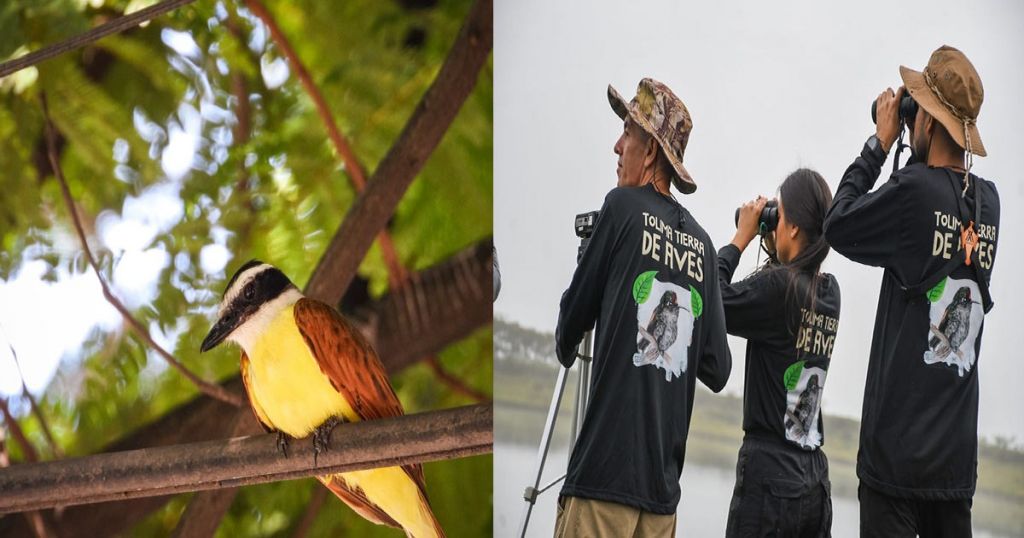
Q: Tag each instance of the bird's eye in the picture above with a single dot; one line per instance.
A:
(249, 293)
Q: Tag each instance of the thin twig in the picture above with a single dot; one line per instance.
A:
(213, 390)
(117, 25)
(34, 518)
(27, 449)
(454, 382)
(5, 460)
(54, 448)
(341, 145)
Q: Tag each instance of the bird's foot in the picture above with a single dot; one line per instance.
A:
(322, 436)
(282, 443)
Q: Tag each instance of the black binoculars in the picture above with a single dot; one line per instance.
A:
(908, 109)
(769, 219)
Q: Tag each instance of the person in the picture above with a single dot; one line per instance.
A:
(933, 228)
(647, 280)
(789, 313)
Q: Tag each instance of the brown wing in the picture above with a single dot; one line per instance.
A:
(256, 408)
(348, 360)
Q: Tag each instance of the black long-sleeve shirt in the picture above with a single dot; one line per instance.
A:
(648, 280)
(918, 434)
(789, 348)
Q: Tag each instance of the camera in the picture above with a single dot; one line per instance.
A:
(769, 219)
(584, 225)
(908, 109)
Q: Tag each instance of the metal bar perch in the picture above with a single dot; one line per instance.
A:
(435, 435)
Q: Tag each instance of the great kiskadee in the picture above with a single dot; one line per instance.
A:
(305, 369)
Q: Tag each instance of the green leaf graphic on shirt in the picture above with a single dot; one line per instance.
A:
(642, 286)
(792, 375)
(696, 303)
(935, 293)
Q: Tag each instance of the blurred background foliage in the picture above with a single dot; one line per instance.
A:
(193, 127)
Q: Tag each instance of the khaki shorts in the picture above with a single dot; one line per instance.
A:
(589, 518)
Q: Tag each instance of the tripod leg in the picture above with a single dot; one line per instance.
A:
(583, 388)
(531, 493)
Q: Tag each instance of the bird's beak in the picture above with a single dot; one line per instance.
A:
(218, 333)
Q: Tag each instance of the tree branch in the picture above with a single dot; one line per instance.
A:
(434, 113)
(117, 25)
(140, 330)
(436, 435)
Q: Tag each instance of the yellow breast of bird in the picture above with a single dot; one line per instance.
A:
(287, 382)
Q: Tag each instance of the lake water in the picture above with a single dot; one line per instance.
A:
(702, 510)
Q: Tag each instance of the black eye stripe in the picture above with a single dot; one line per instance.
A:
(264, 287)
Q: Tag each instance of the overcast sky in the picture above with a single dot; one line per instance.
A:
(770, 89)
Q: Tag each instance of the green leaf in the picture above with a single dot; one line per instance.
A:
(642, 286)
(696, 303)
(935, 293)
(792, 375)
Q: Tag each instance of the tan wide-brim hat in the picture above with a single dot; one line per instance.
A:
(663, 116)
(950, 90)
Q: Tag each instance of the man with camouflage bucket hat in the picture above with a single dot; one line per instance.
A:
(648, 280)
(933, 228)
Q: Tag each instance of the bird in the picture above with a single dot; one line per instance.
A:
(663, 326)
(801, 417)
(306, 369)
(954, 325)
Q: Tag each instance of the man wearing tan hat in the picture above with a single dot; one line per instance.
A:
(933, 227)
(648, 279)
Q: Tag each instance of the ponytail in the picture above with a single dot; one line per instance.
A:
(806, 198)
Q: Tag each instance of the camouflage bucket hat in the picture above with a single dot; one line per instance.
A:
(950, 90)
(664, 116)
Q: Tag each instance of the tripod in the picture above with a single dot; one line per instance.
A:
(585, 354)
(584, 225)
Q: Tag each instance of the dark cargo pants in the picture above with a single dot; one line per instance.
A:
(780, 491)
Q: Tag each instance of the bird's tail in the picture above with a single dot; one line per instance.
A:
(386, 496)
(438, 531)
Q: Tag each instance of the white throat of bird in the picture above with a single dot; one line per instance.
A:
(249, 332)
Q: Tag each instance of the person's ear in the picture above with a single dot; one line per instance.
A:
(651, 152)
(928, 125)
(794, 231)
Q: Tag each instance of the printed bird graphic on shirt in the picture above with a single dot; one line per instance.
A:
(954, 325)
(801, 418)
(663, 327)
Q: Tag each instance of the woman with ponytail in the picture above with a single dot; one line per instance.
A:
(789, 312)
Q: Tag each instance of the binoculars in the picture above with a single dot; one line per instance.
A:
(769, 219)
(908, 109)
